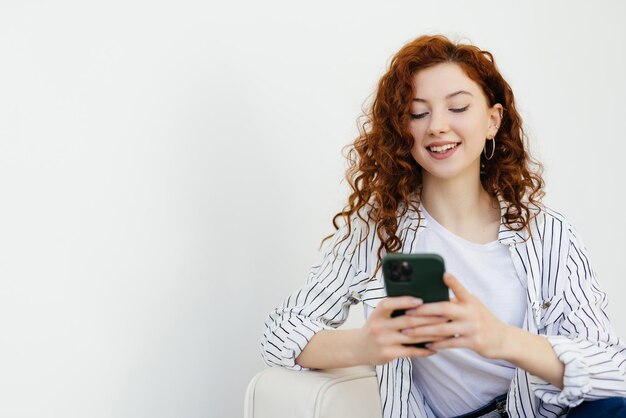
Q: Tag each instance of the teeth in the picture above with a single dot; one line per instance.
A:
(442, 148)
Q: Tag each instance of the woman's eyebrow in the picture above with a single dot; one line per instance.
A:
(456, 93)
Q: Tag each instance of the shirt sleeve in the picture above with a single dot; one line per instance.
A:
(594, 357)
(325, 300)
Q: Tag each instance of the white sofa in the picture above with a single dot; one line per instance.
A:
(340, 393)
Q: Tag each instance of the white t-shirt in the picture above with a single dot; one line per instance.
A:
(458, 381)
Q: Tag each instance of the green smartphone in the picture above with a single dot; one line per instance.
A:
(419, 275)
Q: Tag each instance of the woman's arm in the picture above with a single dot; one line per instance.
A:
(379, 341)
(322, 304)
(330, 349)
(302, 332)
(583, 338)
(592, 358)
(534, 354)
(477, 329)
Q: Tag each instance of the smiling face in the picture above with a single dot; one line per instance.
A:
(450, 122)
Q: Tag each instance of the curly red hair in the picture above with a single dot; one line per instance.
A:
(384, 176)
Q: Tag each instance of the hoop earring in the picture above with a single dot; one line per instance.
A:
(493, 149)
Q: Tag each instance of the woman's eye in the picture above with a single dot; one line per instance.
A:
(459, 109)
(418, 115)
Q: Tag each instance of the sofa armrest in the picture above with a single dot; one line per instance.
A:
(339, 393)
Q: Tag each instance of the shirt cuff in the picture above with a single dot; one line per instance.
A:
(294, 339)
(576, 376)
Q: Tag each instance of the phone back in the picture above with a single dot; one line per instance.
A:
(419, 275)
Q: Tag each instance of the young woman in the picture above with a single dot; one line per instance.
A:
(442, 167)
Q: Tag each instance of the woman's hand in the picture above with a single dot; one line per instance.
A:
(471, 325)
(379, 341)
(384, 337)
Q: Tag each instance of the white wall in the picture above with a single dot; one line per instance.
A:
(167, 170)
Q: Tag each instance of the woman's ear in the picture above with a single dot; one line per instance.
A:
(495, 119)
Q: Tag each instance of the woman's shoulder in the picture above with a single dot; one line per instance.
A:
(550, 222)
(547, 213)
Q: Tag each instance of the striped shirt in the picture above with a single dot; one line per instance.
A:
(565, 304)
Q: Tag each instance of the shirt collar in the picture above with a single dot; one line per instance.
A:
(507, 234)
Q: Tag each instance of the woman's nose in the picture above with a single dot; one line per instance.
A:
(438, 124)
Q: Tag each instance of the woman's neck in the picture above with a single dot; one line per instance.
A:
(463, 207)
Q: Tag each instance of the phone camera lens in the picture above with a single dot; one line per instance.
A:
(395, 271)
(406, 269)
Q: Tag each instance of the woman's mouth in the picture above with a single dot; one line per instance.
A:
(443, 148)
(442, 151)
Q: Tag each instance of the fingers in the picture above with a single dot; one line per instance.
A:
(392, 330)
(448, 310)
(408, 340)
(416, 352)
(388, 305)
(384, 333)
(408, 351)
(459, 291)
(408, 326)
(439, 331)
(450, 343)
(386, 338)
(391, 337)
(410, 321)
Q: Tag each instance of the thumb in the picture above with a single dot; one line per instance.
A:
(453, 283)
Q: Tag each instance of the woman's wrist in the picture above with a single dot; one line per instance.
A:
(353, 347)
(502, 346)
(534, 354)
(513, 343)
